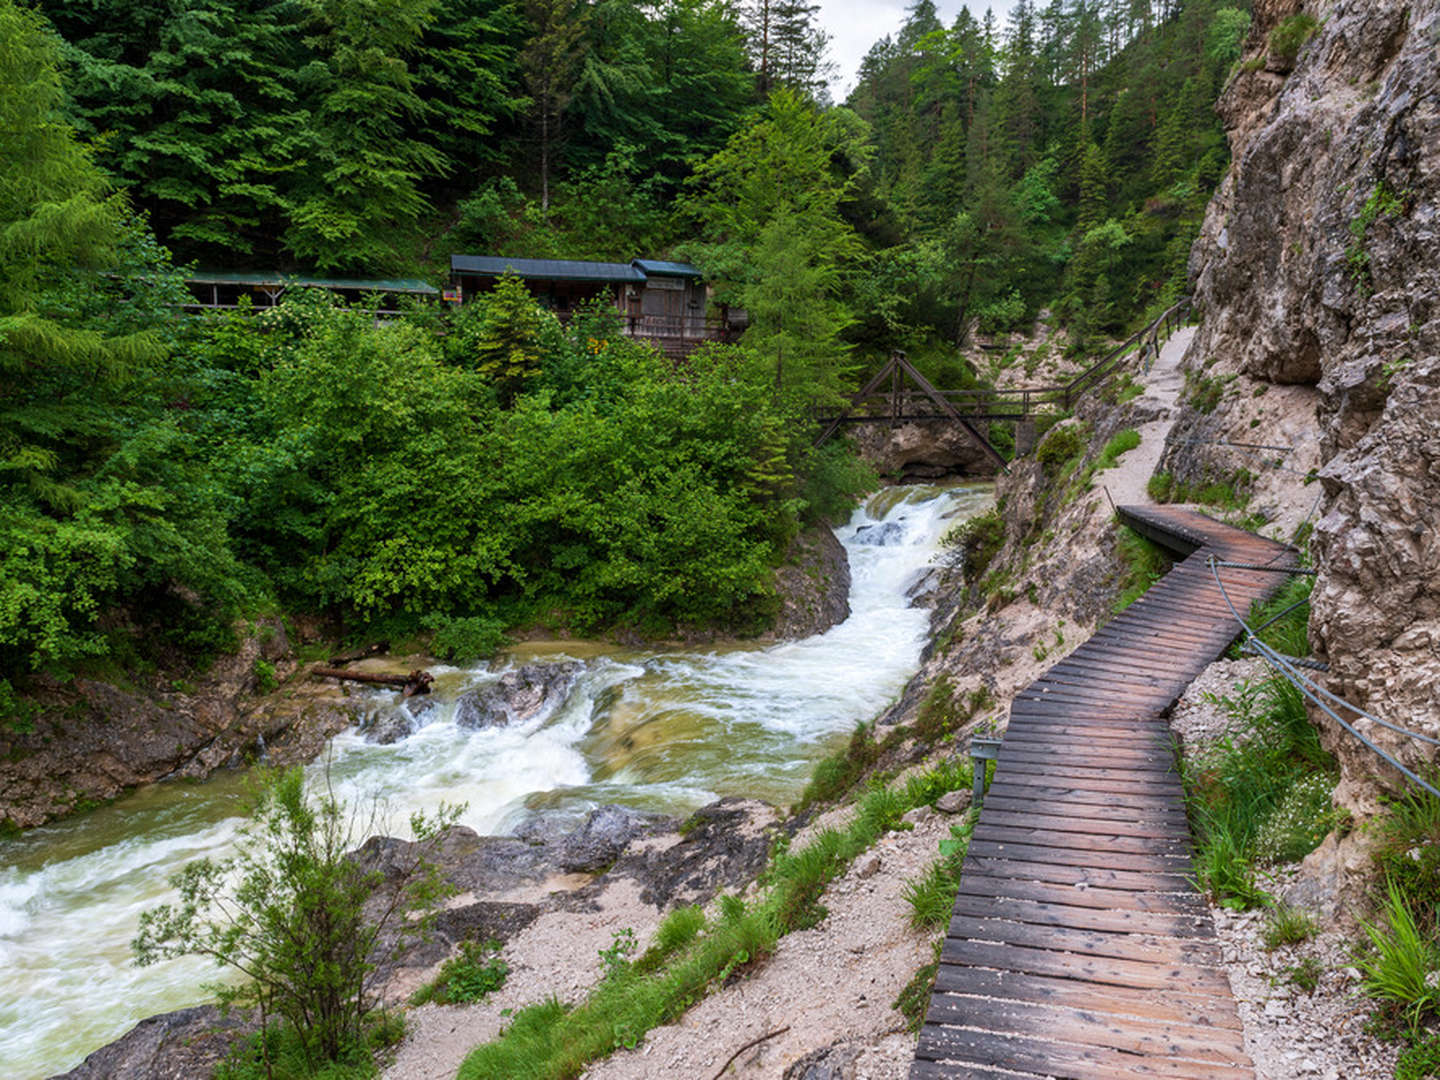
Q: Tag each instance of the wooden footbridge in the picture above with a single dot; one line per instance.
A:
(899, 394)
(1078, 947)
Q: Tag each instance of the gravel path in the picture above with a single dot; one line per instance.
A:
(1126, 482)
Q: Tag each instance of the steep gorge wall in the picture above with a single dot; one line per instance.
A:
(1318, 272)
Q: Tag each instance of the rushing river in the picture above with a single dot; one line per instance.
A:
(667, 731)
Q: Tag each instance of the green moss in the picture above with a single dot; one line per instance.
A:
(978, 539)
(1060, 449)
(1381, 203)
(1289, 37)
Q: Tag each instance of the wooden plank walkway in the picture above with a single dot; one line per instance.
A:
(1078, 947)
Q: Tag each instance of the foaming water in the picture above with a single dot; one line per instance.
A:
(661, 731)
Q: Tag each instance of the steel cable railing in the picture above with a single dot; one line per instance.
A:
(1313, 692)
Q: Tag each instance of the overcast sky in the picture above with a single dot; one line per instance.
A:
(855, 25)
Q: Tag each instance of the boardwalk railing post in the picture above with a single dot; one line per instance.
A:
(982, 749)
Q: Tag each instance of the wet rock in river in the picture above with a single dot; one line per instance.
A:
(172, 1046)
(887, 535)
(518, 695)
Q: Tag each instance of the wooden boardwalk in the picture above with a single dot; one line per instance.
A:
(1078, 947)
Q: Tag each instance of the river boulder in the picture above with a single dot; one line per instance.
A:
(177, 1045)
(519, 695)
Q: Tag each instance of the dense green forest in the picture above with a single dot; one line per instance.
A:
(464, 471)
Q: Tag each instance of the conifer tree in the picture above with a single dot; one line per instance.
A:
(362, 183)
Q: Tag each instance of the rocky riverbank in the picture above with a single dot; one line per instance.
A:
(93, 739)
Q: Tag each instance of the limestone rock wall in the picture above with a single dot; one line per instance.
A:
(1319, 265)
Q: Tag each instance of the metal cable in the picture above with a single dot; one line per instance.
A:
(1273, 620)
(1264, 566)
(1298, 661)
(1310, 690)
(1242, 445)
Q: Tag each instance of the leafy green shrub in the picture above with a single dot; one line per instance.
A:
(471, 976)
(1060, 448)
(835, 481)
(288, 910)
(473, 637)
(264, 672)
(1003, 313)
(1289, 36)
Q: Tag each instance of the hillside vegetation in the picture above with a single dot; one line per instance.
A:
(466, 471)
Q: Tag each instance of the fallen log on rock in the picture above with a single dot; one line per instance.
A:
(417, 682)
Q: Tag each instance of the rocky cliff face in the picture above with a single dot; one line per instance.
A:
(1319, 267)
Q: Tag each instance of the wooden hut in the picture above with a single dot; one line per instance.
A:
(663, 302)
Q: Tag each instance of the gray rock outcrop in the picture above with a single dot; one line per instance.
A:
(923, 450)
(813, 584)
(1319, 263)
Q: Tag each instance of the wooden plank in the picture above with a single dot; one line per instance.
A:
(1049, 734)
(1069, 755)
(1152, 735)
(1105, 970)
(1077, 1025)
(1152, 673)
(1103, 840)
(1080, 775)
(1042, 892)
(1119, 753)
(1123, 746)
(1018, 785)
(1115, 698)
(1173, 1005)
(992, 865)
(920, 1069)
(1142, 949)
(1000, 817)
(1090, 860)
(1160, 816)
(1164, 923)
(1130, 731)
(1071, 712)
(1066, 1060)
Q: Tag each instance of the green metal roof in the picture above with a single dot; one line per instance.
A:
(276, 280)
(545, 269)
(661, 268)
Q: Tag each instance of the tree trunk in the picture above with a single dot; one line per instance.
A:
(417, 682)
